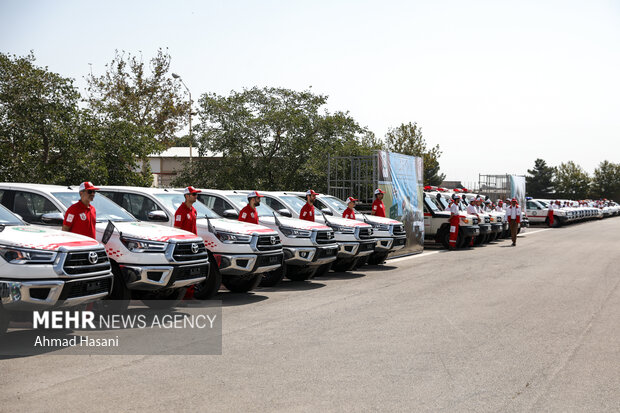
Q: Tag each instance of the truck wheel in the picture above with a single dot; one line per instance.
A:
(160, 300)
(119, 297)
(343, 265)
(300, 273)
(209, 287)
(272, 278)
(444, 238)
(460, 240)
(242, 283)
(361, 261)
(479, 239)
(4, 320)
(322, 270)
(377, 258)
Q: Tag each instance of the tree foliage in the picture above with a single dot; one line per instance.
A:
(408, 140)
(271, 138)
(606, 181)
(539, 181)
(571, 181)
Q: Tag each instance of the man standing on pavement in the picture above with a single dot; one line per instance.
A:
(249, 213)
(454, 221)
(307, 211)
(350, 212)
(378, 208)
(185, 217)
(550, 213)
(81, 217)
(513, 212)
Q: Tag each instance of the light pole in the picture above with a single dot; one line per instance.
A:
(191, 138)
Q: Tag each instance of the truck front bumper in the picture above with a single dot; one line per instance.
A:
(353, 249)
(302, 256)
(497, 228)
(18, 295)
(151, 278)
(391, 244)
(240, 264)
(485, 229)
(470, 230)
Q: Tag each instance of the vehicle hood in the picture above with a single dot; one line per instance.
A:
(27, 236)
(236, 227)
(344, 222)
(295, 223)
(150, 232)
(380, 220)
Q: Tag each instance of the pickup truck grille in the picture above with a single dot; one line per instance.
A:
(475, 221)
(84, 262)
(365, 233)
(85, 288)
(189, 251)
(398, 230)
(268, 243)
(325, 237)
(487, 220)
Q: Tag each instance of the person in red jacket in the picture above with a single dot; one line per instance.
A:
(378, 208)
(81, 217)
(455, 215)
(513, 212)
(185, 217)
(350, 212)
(249, 213)
(307, 211)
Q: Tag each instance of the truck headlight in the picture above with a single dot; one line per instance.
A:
(381, 227)
(142, 245)
(26, 256)
(232, 238)
(465, 220)
(343, 229)
(295, 233)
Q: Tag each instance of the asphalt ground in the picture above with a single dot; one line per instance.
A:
(496, 328)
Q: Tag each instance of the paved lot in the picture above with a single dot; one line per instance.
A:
(531, 328)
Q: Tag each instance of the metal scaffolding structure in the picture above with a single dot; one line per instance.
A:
(495, 186)
(356, 176)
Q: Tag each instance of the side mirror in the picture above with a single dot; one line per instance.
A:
(327, 211)
(52, 218)
(231, 214)
(285, 212)
(157, 216)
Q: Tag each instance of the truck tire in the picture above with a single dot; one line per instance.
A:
(300, 273)
(444, 238)
(161, 300)
(377, 258)
(272, 278)
(361, 261)
(322, 270)
(209, 287)
(479, 239)
(118, 299)
(344, 265)
(4, 320)
(242, 283)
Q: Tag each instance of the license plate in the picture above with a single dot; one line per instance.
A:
(195, 271)
(94, 285)
(274, 259)
(400, 242)
(330, 252)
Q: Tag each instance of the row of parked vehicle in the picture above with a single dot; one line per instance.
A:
(139, 254)
(490, 222)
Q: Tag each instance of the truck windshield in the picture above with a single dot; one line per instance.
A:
(241, 201)
(172, 201)
(334, 203)
(8, 218)
(431, 204)
(106, 209)
(296, 203)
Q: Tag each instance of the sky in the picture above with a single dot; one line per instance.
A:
(496, 84)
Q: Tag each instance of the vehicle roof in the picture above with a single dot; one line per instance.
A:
(224, 191)
(148, 190)
(40, 187)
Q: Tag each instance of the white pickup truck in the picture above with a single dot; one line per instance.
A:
(355, 238)
(149, 262)
(242, 253)
(44, 268)
(389, 233)
(307, 246)
(437, 222)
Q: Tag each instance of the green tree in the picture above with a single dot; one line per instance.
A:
(408, 140)
(271, 138)
(539, 181)
(606, 181)
(571, 181)
(40, 138)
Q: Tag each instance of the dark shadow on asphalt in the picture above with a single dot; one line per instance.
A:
(287, 285)
(230, 299)
(385, 267)
(341, 276)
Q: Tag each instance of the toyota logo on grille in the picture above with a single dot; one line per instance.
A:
(93, 257)
(272, 239)
(195, 248)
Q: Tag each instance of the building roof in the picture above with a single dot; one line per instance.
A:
(183, 152)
